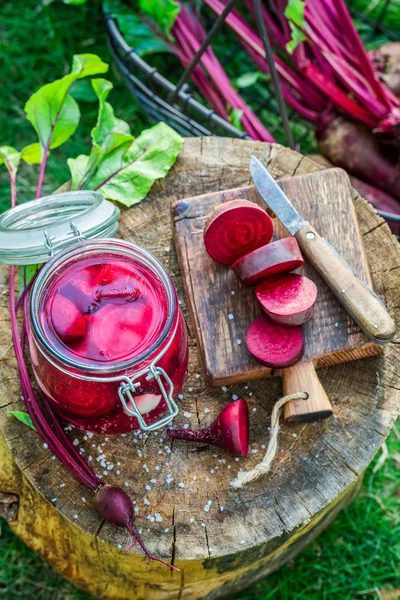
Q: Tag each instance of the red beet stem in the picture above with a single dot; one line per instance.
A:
(275, 346)
(235, 228)
(287, 299)
(278, 257)
(230, 430)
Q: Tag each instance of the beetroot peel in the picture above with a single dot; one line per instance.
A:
(230, 430)
(115, 506)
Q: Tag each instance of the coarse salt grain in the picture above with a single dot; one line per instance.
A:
(239, 342)
(206, 411)
(294, 435)
(146, 502)
(62, 484)
(235, 397)
(181, 485)
(75, 442)
(75, 516)
(254, 451)
(126, 483)
(230, 316)
(224, 388)
(158, 517)
(45, 446)
(166, 530)
(187, 415)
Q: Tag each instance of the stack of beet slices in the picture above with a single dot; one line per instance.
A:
(238, 233)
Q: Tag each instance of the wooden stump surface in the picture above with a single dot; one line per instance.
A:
(222, 539)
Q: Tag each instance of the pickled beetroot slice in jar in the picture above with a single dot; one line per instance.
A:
(68, 322)
(120, 330)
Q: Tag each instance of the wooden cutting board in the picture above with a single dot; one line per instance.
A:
(222, 308)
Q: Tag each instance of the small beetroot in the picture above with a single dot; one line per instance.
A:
(278, 257)
(235, 228)
(275, 346)
(115, 506)
(230, 430)
(287, 299)
(68, 322)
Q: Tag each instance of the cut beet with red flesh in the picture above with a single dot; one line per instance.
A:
(273, 345)
(287, 299)
(235, 228)
(68, 322)
(278, 257)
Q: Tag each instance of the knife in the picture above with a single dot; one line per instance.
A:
(362, 304)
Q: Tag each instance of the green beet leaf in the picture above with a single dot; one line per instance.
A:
(32, 154)
(52, 111)
(162, 12)
(236, 118)
(294, 12)
(110, 136)
(135, 31)
(23, 417)
(11, 158)
(149, 158)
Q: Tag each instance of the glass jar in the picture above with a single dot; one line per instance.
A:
(123, 372)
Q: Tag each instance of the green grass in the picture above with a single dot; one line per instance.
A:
(357, 557)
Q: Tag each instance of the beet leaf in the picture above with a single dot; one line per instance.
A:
(23, 417)
(119, 166)
(294, 12)
(54, 113)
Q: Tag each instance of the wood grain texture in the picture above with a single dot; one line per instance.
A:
(222, 307)
(260, 528)
(303, 377)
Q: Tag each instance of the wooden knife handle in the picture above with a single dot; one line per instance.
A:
(302, 377)
(359, 300)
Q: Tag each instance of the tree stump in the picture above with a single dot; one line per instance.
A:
(222, 539)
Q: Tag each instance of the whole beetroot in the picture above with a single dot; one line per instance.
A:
(115, 506)
(357, 150)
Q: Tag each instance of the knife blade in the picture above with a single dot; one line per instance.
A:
(362, 304)
(274, 197)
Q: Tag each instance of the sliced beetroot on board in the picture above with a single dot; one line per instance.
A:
(287, 298)
(235, 228)
(68, 322)
(273, 345)
(277, 257)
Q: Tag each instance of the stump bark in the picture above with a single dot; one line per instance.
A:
(222, 539)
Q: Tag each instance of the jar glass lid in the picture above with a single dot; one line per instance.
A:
(32, 232)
